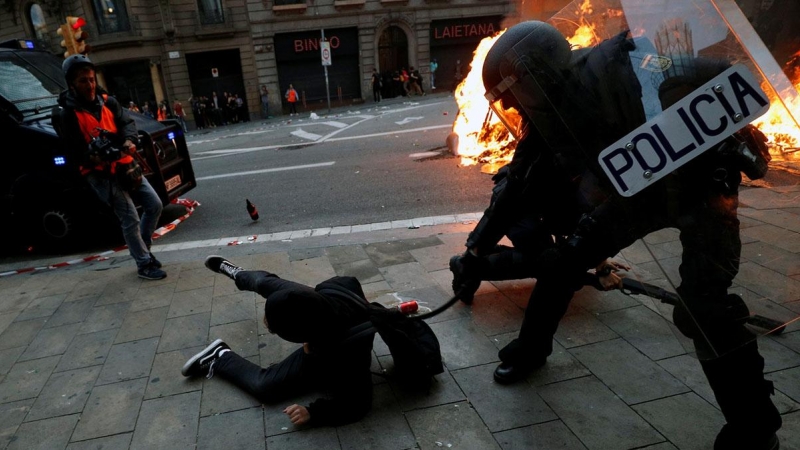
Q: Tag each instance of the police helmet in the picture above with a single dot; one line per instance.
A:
(543, 44)
(74, 62)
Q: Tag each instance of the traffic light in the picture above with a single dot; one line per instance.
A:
(79, 36)
(67, 40)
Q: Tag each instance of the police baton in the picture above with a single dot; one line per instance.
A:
(631, 286)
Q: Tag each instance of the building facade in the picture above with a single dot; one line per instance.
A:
(154, 50)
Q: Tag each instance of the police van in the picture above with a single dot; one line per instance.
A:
(44, 201)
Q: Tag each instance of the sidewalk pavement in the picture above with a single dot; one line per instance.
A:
(90, 355)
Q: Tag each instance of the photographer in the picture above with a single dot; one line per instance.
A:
(102, 137)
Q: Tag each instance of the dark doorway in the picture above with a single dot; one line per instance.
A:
(392, 57)
(129, 82)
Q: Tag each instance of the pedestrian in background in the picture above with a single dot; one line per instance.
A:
(416, 81)
(180, 114)
(264, 94)
(376, 85)
(291, 97)
(434, 66)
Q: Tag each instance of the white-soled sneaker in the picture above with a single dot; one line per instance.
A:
(203, 362)
(221, 265)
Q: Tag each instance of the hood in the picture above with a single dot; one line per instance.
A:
(302, 316)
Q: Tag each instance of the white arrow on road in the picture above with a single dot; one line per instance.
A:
(408, 120)
(306, 135)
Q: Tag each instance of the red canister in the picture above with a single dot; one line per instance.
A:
(409, 307)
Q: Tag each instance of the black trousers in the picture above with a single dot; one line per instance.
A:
(291, 377)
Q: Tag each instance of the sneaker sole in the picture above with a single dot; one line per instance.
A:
(193, 359)
(145, 277)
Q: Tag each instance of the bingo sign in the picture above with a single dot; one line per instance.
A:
(325, 52)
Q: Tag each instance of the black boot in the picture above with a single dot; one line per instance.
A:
(743, 394)
(517, 362)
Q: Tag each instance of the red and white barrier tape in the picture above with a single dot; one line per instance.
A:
(189, 204)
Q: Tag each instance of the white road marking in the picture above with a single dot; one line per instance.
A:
(274, 169)
(335, 124)
(286, 236)
(326, 138)
(408, 120)
(424, 155)
(385, 133)
(305, 134)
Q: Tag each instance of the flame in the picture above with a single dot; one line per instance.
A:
(779, 124)
(481, 135)
(482, 138)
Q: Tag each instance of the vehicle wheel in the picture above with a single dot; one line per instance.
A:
(57, 225)
(53, 227)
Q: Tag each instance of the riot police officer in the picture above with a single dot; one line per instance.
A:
(570, 106)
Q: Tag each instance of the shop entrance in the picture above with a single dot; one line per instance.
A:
(218, 71)
(392, 57)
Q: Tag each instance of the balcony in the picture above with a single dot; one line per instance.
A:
(342, 4)
(289, 6)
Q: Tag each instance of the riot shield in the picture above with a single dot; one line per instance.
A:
(655, 98)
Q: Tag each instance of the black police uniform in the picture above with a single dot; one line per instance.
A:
(700, 199)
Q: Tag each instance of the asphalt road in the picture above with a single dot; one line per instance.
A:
(357, 165)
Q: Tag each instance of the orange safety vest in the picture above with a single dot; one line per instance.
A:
(292, 95)
(89, 124)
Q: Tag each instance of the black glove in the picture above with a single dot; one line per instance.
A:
(466, 271)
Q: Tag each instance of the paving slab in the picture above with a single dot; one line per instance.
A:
(128, 361)
(111, 409)
(87, 350)
(316, 438)
(450, 426)
(70, 312)
(44, 434)
(545, 436)
(105, 317)
(169, 422)
(463, 344)
(50, 341)
(166, 378)
(236, 430)
(117, 442)
(686, 420)
(631, 375)
(184, 331)
(598, 417)
(64, 394)
(11, 416)
(502, 407)
(142, 325)
(384, 427)
(645, 330)
(26, 379)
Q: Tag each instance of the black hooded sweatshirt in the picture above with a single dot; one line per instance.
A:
(301, 314)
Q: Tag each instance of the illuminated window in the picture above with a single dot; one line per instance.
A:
(210, 11)
(38, 24)
(111, 15)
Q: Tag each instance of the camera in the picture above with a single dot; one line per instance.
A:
(102, 147)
